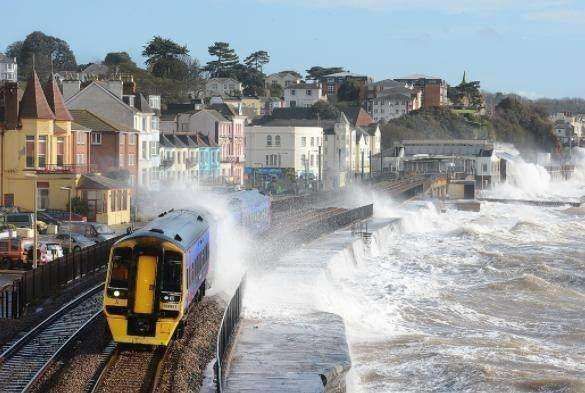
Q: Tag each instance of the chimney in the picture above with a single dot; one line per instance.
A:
(116, 87)
(70, 88)
(11, 109)
(129, 87)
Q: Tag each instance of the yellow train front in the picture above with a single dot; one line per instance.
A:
(154, 275)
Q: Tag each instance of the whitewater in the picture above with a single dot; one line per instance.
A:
(457, 301)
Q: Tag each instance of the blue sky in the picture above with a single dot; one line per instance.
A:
(535, 48)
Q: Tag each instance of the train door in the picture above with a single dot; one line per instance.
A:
(145, 284)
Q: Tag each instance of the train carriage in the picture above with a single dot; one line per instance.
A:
(154, 275)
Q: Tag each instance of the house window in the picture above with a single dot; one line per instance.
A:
(303, 159)
(293, 92)
(303, 141)
(121, 160)
(80, 159)
(112, 200)
(131, 159)
(293, 104)
(30, 151)
(269, 140)
(43, 197)
(132, 139)
(330, 89)
(309, 92)
(312, 159)
(122, 139)
(267, 158)
(277, 140)
(144, 150)
(144, 124)
(154, 124)
(80, 137)
(60, 151)
(312, 142)
(42, 156)
(96, 138)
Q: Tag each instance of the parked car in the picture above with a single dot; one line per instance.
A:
(20, 220)
(54, 250)
(91, 230)
(15, 252)
(78, 241)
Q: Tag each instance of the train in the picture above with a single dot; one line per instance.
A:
(158, 272)
(154, 275)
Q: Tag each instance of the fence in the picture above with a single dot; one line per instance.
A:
(230, 320)
(49, 279)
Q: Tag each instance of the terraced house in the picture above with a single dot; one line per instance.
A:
(44, 154)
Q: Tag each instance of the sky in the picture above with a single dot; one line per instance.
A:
(530, 47)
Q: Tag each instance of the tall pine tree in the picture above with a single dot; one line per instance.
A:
(226, 60)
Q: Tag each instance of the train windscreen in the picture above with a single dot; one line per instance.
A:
(120, 268)
(172, 272)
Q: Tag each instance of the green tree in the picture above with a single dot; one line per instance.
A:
(49, 54)
(114, 59)
(257, 59)
(226, 60)
(349, 91)
(252, 79)
(166, 58)
(78, 206)
(317, 72)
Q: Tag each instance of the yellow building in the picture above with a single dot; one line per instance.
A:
(37, 151)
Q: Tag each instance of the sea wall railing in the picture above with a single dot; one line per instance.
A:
(229, 322)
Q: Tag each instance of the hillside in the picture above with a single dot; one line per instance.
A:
(526, 125)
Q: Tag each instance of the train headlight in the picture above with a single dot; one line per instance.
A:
(169, 298)
(166, 298)
(116, 293)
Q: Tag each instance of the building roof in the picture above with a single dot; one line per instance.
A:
(304, 85)
(344, 74)
(417, 76)
(399, 92)
(387, 83)
(302, 117)
(94, 181)
(284, 73)
(187, 140)
(371, 129)
(101, 85)
(141, 103)
(6, 59)
(78, 127)
(171, 140)
(34, 104)
(205, 140)
(55, 100)
(97, 69)
(226, 110)
(357, 116)
(97, 123)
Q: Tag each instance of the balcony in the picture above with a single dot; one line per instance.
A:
(64, 169)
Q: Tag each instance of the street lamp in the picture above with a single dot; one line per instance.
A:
(69, 189)
(35, 236)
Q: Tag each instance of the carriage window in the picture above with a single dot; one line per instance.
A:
(172, 272)
(120, 267)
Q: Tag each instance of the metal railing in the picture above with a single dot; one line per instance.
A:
(230, 320)
(48, 279)
(65, 168)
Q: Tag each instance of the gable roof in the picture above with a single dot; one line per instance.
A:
(99, 85)
(206, 140)
(141, 103)
(226, 110)
(172, 140)
(304, 85)
(78, 127)
(97, 123)
(34, 104)
(187, 140)
(94, 181)
(357, 116)
(55, 100)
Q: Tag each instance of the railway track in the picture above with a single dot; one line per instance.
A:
(25, 361)
(131, 370)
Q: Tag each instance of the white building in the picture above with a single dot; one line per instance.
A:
(8, 68)
(284, 147)
(340, 156)
(222, 87)
(303, 95)
(388, 99)
(282, 79)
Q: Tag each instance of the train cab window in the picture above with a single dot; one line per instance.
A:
(172, 271)
(120, 268)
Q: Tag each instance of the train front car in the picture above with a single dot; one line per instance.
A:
(154, 275)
